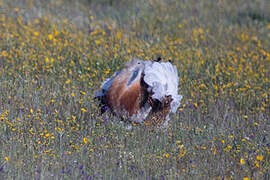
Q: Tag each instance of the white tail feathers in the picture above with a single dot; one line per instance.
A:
(162, 79)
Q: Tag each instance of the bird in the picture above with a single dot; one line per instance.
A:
(143, 92)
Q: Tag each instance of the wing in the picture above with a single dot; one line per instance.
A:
(101, 94)
(124, 93)
(162, 79)
(106, 85)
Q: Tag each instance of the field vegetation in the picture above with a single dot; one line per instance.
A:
(55, 54)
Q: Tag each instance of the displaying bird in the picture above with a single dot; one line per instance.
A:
(143, 92)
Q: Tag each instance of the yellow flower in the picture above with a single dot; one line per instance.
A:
(85, 140)
(52, 60)
(118, 35)
(4, 53)
(83, 110)
(83, 93)
(52, 101)
(180, 146)
(228, 148)
(56, 32)
(256, 163)
(242, 161)
(50, 37)
(36, 33)
(203, 147)
(67, 81)
(6, 158)
(97, 42)
(47, 135)
(245, 178)
(167, 155)
(47, 60)
(259, 158)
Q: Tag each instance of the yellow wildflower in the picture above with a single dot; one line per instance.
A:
(118, 35)
(67, 81)
(47, 60)
(180, 146)
(6, 158)
(242, 161)
(203, 147)
(83, 93)
(4, 53)
(97, 42)
(167, 155)
(83, 110)
(50, 37)
(56, 32)
(259, 158)
(256, 163)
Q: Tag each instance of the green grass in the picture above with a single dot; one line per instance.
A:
(54, 55)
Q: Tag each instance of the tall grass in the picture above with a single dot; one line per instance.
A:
(54, 55)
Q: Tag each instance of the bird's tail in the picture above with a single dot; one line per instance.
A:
(162, 79)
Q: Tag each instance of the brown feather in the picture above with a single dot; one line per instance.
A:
(159, 111)
(120, 97)
(130, 99)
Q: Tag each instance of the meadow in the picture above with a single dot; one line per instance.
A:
(55, 54)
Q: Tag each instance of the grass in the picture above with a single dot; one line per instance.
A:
(54, 55)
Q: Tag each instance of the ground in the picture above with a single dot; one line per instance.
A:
(55, 54)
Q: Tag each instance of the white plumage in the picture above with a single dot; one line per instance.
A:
(162, 79)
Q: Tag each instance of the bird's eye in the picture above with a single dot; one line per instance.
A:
(139, 63)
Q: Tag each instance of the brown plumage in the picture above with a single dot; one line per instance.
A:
(159, 111)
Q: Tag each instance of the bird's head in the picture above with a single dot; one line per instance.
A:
(135, 64)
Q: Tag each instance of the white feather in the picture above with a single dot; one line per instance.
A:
(162, 79)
